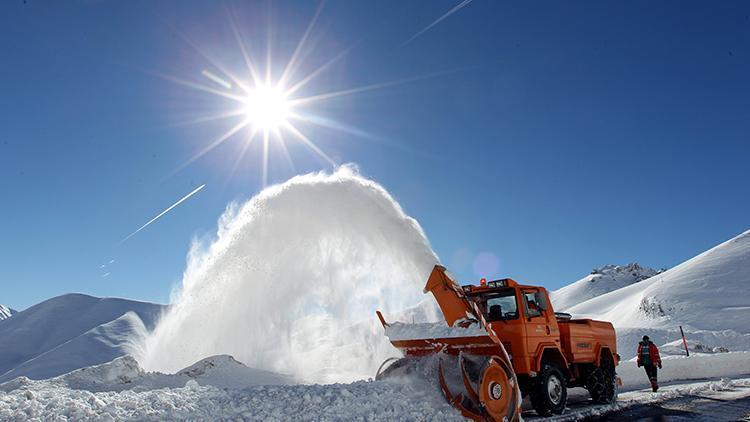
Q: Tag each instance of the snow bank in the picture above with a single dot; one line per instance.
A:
(124, 373)
(372, 401)
(293, 279)
(628, 338)
(687, 368)
(224, 371)
(677, 348)
(121, 390)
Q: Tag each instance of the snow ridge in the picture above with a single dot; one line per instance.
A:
(6, 312)
(707, 295)
(600, 281)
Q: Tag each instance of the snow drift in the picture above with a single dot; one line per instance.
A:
(124, 373)
(220, 387)
(293, 278)
(122, 390)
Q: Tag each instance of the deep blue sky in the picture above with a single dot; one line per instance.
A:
(563, 135)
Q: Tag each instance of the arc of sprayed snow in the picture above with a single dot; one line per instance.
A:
(455, 9)
(183, 199)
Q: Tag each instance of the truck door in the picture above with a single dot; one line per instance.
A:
(536, 319)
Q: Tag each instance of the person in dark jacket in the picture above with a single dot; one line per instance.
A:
(649, 359)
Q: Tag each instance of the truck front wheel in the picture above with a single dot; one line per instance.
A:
(549, 394)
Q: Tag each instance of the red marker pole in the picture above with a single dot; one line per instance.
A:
(684, 342)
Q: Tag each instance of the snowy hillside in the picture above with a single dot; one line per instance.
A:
(706, 294)
(5, 312)
(600, 281)
(69, 332)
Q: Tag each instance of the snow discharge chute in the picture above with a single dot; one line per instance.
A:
(292, 279)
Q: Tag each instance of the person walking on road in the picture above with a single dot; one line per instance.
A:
(649, 359)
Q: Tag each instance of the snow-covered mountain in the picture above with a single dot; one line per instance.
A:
(70, 332)
(600, 281)
(5, 312)
(707, 295)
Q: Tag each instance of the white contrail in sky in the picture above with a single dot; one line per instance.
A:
(440, 19)
(165, 211)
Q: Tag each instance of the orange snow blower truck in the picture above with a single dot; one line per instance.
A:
(505, 342)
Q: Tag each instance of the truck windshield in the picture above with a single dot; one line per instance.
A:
(498, 306)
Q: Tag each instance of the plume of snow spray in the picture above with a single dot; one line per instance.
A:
(292, 281)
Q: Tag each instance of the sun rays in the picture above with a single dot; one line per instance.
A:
(273, 109)
(268, 107)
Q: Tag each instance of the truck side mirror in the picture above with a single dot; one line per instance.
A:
(541, 300)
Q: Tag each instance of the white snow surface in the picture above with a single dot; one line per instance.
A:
(707, 292)
(124, 373)
(71, 331)
(428, 330)
(677, 368)
(601, 280)
(121, 390)
(5, 312)
(707, 295)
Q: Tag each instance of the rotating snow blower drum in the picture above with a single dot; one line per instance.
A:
(489, 391)
(498, 392)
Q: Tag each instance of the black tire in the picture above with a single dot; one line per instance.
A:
(549, 393)
(602, 383)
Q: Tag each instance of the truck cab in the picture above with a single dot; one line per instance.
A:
(534, 335)
(523, 319)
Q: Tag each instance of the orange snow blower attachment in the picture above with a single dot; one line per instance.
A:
(489, 385)
(505, 342)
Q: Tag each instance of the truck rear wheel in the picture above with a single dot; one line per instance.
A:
(549, 394)
(601, 383)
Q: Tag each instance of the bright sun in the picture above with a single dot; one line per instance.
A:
(267, 108)
(270, 108)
